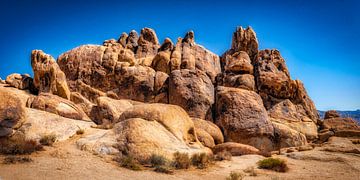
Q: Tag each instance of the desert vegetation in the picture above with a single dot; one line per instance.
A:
(274, 164)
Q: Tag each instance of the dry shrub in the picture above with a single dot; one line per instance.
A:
(128, 162)
(19, 146)
(251, 171)
(16, 159)
(201, 161)
(48, 139)
(163, 169)
(223, 155)
(235, 176)
(181, 161)
(157, 160)
(274, 164)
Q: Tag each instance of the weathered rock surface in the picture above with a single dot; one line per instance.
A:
(12, 112)
(193, 91)
(146, 129)
(243, 118)
(236, 149)
(295, 117)
(48, 77)
(54, 104)
(40, 123)
(210, 128)
(108, 110)
(244, 81)
(331, 114)
(20, 81)
(287, 137)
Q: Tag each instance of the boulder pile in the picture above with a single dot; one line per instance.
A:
(150, 98)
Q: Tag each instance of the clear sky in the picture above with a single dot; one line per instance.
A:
(318, 39)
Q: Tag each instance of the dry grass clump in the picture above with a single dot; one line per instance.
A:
(274, 164)
(251, 171)
(181, 161)
(201, 161)
(19, 146)
(160, 164)
(80, 131)
(16, 159)
(48, 139)
(164, 169)
(128, 162)
(157, 160)
(223, 155)
(235, 176)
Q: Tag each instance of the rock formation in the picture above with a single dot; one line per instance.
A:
(165, 98)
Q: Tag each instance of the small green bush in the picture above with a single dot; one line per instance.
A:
(181, 161)
(129, 162)
(223, 155)
(19, 146)
(274, 164)
(48, 139)
(157, 160)
(80, 131)
(235, 176)
(201, 161)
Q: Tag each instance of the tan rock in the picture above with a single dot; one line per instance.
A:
(161, 61)
(148, 43)
(236, 149)
(82, 102)
(108, 110)
(161, 87)
(243, 118)
(245, 40)
(287, 137)
(12, 112)
(331, 114)
(244, 81)
(54, 104)
(132, 40)
(193, 91)
(293, 116)
(48, 77)
(238, 62)
(122, 39)
(20, 81)
(205, 138)
(212, 129)
(40, 123)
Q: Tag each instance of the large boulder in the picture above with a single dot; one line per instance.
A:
(40, 123)
(331, 114)
(243, 118)
(108, 110)
(209, 128)
(244, 81)
(295, 117)
(54, 104)
(147, 129)
(48, 77)
(193, 91)
(238, 62)
(236, 149)
(12, 112)
(244, 40)
(148, 43)
(287, 137)
(161, 61)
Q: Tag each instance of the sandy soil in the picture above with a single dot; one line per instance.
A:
(65, 161)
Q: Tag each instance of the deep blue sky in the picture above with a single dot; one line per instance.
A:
(319, 40)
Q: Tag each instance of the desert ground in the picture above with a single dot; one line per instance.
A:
(64, 160)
